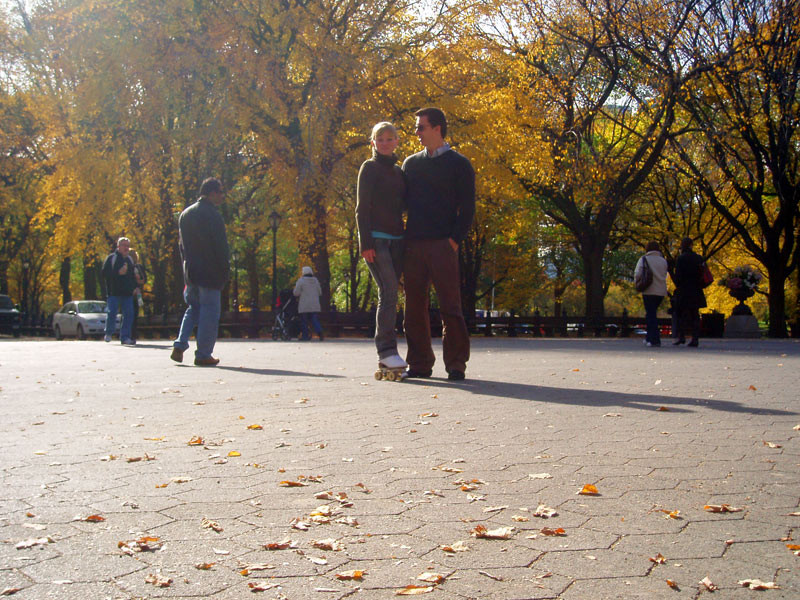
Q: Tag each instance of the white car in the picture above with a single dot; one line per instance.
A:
(82, 318)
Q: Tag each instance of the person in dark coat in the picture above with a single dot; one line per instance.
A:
(120, 283)
(689, 296)
(206, 270)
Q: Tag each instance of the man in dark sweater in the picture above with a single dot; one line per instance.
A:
(120, 283)
(441, 205)
(206, 269)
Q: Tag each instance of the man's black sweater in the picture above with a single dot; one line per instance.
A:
(440, 197)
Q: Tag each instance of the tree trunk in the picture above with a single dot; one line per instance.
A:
(592, 258)
(251, 264)
(90, 279)
(63, 280)
(316, 246)
(777, 304)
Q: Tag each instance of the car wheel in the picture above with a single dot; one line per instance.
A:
(57, 330)
(81, 332)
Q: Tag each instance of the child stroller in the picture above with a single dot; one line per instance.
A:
(287, 321)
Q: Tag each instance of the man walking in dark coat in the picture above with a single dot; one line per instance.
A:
(120, 284)
(206, 270)
(441, 205)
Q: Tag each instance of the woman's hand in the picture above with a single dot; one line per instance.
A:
(369, 255)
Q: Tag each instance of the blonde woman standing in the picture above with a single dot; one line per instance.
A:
(379, 214)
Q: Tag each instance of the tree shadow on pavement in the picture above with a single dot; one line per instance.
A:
(275, 372)
(597, 398)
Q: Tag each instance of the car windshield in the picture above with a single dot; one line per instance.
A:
(5, 302)
(91, 307)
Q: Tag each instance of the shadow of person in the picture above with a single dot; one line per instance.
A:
(595, 398)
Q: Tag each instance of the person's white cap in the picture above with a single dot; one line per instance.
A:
(307, 271)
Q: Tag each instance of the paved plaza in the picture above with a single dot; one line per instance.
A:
(288, 472)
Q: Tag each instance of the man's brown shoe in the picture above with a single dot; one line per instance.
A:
(177, 355)
(206, 362)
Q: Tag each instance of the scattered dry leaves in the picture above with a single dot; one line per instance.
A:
(757, 584)
(706, 582)
(143, 544)
(30, 543)
(415, 590)
(350, 575)
(430, 577)
(328, 544)
(501, 533)
(158, 580)
(261, 587)
(544, 512)
(721, 508)
(459, 546)
(558, 531)
(658, 559)
(209, 524)
(285, 544)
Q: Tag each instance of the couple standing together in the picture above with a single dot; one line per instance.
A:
(436, 187)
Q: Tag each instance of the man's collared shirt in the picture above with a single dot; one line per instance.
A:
(439, 151)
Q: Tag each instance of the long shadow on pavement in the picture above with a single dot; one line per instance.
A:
(275, 372)
(574, 397)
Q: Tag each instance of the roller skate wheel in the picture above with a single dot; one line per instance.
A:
(390, 375)
(378, 375)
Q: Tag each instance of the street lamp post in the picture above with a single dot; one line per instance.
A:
(274, 223)
(235, 281)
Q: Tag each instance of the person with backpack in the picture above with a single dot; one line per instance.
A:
(650, 277)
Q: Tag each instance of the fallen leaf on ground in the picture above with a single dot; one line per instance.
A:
(300, 524)
(158, 580)
(544, 512)
(23, 545)
(414, 590)
(429, 415)
(204, 566)
(658, 559)
(501, 533)
(255, 427)
(520, 518)
(459, 546)
(234, 453)
(195, 441)
(670, 514)
(91, 519)
(256, 567)
(221, 552)
(317, 560)
(350, 521)
(145, 458)
(430, 577)
(559, 531)
(9, 591)
(589, 490)
(757, 584)
(540, 476)
(109, 457)
(796, 428)
(282, 545)
(612, 415)
(292, 484)
(794, 514)
(490, 576)
(261, 587)
(752, 387)
(721, 508)
(328, 544)
(143, 544)
(209, 524)
(495, 508)
(771, 444)
(705, 581)
(672, 584)
(663, 409)
(349, 575)
(183, 479)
